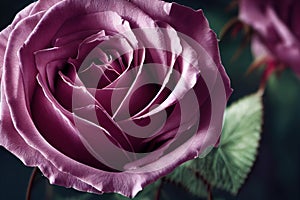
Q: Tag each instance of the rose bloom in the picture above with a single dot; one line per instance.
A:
(109, 96)
(276, 30)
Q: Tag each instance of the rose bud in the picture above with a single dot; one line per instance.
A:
(276, 33)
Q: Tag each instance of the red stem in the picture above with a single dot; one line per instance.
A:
(30, 183)
(157, 196)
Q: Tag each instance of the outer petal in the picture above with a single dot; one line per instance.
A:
(252, 13)
(42, 5)
(31, 9)
(4, 34)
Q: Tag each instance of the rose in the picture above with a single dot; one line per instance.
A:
(276, 30)
(109, 96)
(49, 101)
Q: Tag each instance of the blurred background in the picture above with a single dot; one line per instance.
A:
(275, 174)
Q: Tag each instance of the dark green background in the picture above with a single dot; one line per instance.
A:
(276, 172)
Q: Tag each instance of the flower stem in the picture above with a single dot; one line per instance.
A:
(49, 192)
(271, 66)
(208, 185)
(158, 192)
(30, 183)
(209, 192)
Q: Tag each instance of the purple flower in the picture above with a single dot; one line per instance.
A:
(109, 96)
(276, 30)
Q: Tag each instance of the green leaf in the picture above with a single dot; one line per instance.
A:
(227, 166)
(188, 179)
